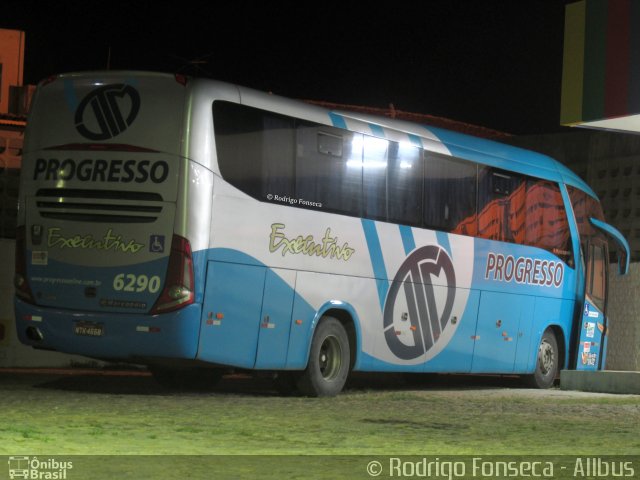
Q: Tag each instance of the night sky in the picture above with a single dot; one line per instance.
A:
(488, 62)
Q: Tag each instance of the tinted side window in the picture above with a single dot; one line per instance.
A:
(450, 194)
(405, 184)
(584, 207)
(392, 181)
(501, 205)
(255, 149)
(546, 224)
(333, 177)
(375, 167)
(596, 281)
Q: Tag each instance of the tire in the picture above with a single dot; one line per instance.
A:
(329, 361)
(547, 362)
(187, 379)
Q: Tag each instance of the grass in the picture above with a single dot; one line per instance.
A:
(101, 415)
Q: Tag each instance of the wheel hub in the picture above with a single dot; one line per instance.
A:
(330, 358)
(546, 357)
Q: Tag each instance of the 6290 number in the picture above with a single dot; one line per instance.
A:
(128, 282)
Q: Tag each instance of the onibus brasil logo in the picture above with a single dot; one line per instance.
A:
(34, 468)
(412, 295)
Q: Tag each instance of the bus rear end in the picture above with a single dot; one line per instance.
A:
(101, 269)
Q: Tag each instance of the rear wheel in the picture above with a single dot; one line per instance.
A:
(547, 363)
(329, 359)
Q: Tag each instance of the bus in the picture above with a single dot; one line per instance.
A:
(197, 227)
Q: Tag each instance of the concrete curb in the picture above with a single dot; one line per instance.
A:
(605, 381)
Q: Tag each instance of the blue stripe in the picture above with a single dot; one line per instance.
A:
(377, 261)
(337, 120)
(415, 140)
(377, 130)
(70, 95)
(408, 242)
(443, 241)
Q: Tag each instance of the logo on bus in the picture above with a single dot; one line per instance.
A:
(107, 111)
(413, 307)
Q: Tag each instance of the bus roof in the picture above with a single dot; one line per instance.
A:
(523, 161)
(465, 146)
(484, 151)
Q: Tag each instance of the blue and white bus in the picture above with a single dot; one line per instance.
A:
(196, 226)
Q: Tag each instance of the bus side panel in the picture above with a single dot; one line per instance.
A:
(458, 354)
(319, 289)
(374, 355)
(502, 320)
(275, 320)
(231, 314)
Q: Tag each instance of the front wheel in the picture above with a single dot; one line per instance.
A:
(329, 360)
(547, 362)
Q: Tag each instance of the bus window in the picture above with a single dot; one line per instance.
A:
(328, 180)
(255, 149)
(374, 177)
(596, 275)
(501, 206)
(404, 184)
(547, 226)
(450, 194)
(392, 181)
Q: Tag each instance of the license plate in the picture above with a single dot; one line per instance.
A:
(89, 329)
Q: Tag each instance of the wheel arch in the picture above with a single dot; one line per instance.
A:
(561, 340)
(347, 316)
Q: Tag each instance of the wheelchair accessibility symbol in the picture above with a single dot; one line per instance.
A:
(156, 243)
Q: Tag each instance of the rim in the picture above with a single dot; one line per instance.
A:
(330, 358)
(546, 358)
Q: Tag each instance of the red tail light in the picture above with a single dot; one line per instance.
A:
(182, 79)
(178, 285)
(23, 290)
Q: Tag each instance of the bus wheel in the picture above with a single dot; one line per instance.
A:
(191, 379)
(547, 362)
(329, 359)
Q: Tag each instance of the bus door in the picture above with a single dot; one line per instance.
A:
(593, 325)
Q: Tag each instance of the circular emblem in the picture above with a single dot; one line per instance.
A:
(107, 111)
(414, 303)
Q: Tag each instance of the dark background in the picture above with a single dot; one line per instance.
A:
(489, 62)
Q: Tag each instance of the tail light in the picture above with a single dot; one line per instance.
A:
(178, 286)
(23, 290)
(182, 79)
